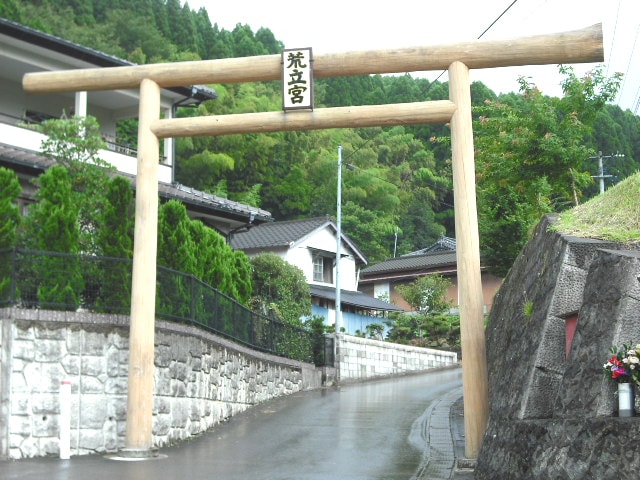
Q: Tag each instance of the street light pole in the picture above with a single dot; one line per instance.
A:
(338, 321)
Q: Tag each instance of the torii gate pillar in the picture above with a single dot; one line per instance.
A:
(474, 364)
(139, 439)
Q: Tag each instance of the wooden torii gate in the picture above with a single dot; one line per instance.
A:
(580, 46)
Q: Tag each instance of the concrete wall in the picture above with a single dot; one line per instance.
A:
(200, 380)
(362, 358)
(553, 415)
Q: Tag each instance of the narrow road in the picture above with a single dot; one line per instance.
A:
(366, 431)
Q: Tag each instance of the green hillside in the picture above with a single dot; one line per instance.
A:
(614, 215)
(533, 152)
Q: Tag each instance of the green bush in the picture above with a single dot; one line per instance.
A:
(9, 222)
(280, 289)
(115, 240)
(54, 226)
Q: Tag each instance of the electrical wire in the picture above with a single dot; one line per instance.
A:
(624, 78)
(496, 20)
(429, 88)
(478, 38)
(613, 39)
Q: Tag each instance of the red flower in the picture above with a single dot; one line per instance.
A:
(614, 361)
(618, 372)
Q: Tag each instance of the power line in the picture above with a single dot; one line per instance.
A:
(478, 38)
(499, 17)
(613, 39)
(601, 176)
(427, 91)
(624, 80)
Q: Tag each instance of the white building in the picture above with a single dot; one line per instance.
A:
(311, 245)
(25, 50)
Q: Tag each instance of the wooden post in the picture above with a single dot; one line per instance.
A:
(417, 113)
(138, 441)
(474, 366)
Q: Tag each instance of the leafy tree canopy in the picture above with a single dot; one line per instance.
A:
(9, 214)
(530, 158)
(280, 289)
(75, 143)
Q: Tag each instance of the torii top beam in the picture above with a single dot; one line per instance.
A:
(579, 46)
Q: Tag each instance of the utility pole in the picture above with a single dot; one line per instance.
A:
(601, 176)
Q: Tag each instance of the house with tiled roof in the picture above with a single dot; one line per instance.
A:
(382, 279)
(26, 50)
(311, 245)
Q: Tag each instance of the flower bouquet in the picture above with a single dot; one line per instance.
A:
(623, 367)
(624, 364)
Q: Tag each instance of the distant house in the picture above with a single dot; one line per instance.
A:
(311, 245)
(381, 280)
(25, 50)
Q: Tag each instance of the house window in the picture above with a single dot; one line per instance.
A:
(322, 269)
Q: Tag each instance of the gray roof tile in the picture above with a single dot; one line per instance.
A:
(277, 234)
(410, 263)
(285, 233)
(357, 299)
(13, 156)
(444, 244)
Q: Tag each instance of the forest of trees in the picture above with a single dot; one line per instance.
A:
(402, 180)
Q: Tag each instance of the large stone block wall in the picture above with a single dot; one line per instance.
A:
(363, 358)
(553, 415)
(200, 380)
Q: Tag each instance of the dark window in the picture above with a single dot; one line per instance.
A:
(322, 269)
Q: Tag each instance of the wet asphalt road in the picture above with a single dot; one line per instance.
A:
(365, 431)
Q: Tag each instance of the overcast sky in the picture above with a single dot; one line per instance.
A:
(333, 26)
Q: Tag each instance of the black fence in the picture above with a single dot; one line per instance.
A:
(57, 281)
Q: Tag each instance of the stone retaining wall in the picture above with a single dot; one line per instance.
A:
(553, 413)
(363, 358)
(200, 380)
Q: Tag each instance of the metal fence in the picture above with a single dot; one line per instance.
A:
(58, 281)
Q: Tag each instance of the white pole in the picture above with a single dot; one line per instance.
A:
(65, 420)
(601, 172)
(80, 104)
(339, 242)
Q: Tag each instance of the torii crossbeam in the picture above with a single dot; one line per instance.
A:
(580, 46)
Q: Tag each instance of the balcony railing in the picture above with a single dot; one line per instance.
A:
(110, 141)
(15, 132)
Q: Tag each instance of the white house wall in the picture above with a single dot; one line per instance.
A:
(301, 258)
(15, 102)
(106, 106)
(31, 140)
(301, 255)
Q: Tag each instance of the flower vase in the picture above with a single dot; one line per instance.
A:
(625, 400)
